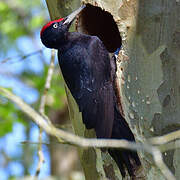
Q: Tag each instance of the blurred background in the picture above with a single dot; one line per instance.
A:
(23, 68)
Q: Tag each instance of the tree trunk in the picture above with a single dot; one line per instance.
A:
(148, 76)
(151, 89)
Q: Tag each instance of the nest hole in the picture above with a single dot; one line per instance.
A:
(97, 22)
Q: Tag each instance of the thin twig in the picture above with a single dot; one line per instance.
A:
(42, 109)
(86, 142)
(47, 85)
(20, 57)
(33, 143)
(47, 144)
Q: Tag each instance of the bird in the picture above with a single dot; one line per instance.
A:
(89, 73)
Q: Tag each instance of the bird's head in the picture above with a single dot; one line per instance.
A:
(53, 34)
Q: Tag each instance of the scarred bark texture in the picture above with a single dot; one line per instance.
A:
(148, 76)
(151, 96)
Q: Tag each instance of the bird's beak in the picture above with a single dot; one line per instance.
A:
(69, 19)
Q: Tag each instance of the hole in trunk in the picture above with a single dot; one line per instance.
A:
(97, 22)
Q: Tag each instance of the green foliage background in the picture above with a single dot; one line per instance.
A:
(24, 19)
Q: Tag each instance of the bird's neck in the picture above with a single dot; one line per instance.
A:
(68, 40)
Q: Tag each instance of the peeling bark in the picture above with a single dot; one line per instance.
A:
(151, 97)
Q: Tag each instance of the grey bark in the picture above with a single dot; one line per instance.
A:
(150, 92)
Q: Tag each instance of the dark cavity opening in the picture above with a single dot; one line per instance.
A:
(97, 22)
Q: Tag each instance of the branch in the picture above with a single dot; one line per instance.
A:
(41, 110)
(165, 138)
(47, 86)
(86, 142)
(170, 146)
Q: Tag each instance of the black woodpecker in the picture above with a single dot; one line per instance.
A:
(87, 71)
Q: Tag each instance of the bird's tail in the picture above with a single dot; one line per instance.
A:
(125, 159)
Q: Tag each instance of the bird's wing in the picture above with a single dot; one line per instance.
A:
(96, 97)
(86, 70)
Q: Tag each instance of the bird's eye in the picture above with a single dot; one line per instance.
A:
(55, 26)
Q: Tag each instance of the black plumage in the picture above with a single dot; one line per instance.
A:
(86, 68)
